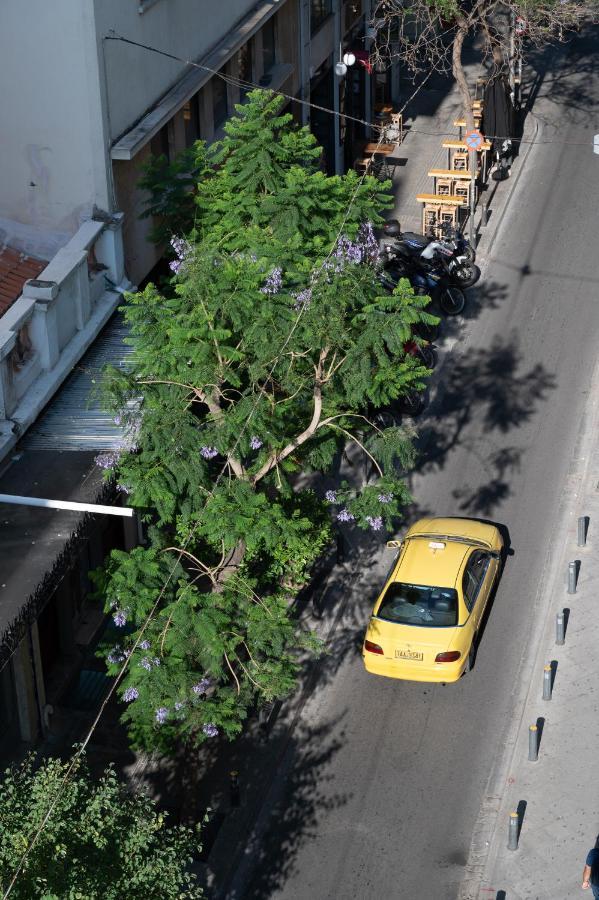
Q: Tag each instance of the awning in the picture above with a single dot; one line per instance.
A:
(127, 146)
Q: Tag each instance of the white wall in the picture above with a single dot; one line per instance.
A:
(136, 78)
(52, 151)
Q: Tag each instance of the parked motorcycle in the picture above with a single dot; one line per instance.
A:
(453, 251)
(392, 229)
(434, 282)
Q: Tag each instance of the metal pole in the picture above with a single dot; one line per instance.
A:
(472, 195)
(560, 635)
(572, 578)
(547, 682)
(512, 840)
(582, 531)
(125, 511)
(533, 743)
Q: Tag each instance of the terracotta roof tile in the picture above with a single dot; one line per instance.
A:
(15, 269)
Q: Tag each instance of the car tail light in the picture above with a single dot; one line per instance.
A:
(449, 656)
(373, 648)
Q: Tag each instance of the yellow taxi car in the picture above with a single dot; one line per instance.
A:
(424, 624)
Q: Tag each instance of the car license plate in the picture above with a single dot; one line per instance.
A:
(408, 654)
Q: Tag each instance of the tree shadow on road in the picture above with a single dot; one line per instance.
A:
(493, 388)
(293, 817)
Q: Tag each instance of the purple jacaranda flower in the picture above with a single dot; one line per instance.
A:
(156, 661)
(123, 489)
(179, 705)
(302, 299)
(385, 498)
(116, 656)
(146, 664)
(145, 645)
(129, 694)
(182, 248)
(117, 420)
(209, 452)
(161, 715)
(344, 515)
(210, 730)
(331, 496)
(109, 460)
(375, 522)
(120, 618)
(370, 245)
(202, 686)
(274, 282)
(255, 442)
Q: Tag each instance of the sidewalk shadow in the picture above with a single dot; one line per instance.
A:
(521, 810)
(540, 726)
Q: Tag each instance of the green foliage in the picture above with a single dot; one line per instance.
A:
(251, 375)
(170, 188)
(100, 843)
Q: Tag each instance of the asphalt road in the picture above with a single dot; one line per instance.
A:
(380, 791)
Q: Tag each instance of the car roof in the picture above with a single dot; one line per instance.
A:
(469, 530)
(421, 564)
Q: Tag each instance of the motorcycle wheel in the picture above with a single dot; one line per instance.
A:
(469, 253)
(411, 405)
(452, 300)
(429, 357)
(466, 274)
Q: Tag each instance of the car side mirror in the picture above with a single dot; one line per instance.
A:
(393, 545)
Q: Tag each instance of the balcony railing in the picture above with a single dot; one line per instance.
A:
(57, 317)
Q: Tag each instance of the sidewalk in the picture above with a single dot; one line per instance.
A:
(558, 795)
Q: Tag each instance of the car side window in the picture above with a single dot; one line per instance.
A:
(474, 575)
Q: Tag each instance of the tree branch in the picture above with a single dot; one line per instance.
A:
(276, 457)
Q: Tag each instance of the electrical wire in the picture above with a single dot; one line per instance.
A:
(237, 82)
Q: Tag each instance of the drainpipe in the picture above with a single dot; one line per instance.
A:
(304, 59)
(337, 56)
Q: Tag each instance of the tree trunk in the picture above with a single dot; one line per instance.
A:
(230, 565)
(460, 75)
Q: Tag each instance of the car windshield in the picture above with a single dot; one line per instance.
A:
(418, 604)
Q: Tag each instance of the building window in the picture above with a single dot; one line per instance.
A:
(269, 53)
(244, 68)
(220, 100)
(191, 120)
(319, 11)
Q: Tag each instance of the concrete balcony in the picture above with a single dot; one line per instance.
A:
(47, 330)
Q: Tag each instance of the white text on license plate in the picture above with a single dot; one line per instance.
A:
(408, 654)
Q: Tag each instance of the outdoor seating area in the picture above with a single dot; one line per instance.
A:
(453, 186)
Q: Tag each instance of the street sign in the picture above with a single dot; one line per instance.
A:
(596, 144)
(474, 140)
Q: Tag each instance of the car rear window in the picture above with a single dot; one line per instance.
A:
(417, 604)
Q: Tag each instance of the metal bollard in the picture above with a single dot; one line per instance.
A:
(512, 839)
(572, 578)
(484, 218)
(533, 743)
(582, 531)
(547, 682)
(560, 634)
